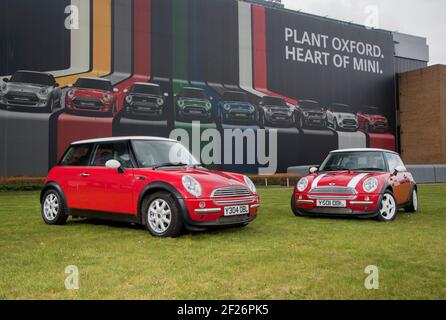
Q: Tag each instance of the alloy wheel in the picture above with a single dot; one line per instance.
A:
(51, 207)
(388, 207)
(159, 216)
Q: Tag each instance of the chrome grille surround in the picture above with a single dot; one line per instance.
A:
(341, 193)
(231, 192)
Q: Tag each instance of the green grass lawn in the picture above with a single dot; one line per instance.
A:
(278, 256)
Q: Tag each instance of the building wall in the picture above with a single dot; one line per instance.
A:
(423, 115)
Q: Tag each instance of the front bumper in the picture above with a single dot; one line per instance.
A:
(359, 206)
(28, 104)
(315, 122)
(239, 115)
(279, 118)
(200, 214)
(348, 125)
(195, 112)
(90, 105)
(153, 110)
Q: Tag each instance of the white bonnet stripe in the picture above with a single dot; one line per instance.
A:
(354, 182)
(316, 181)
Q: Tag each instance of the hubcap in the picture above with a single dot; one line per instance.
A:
(388, 207)
(51, 207)
(159, 216)
(415, 200)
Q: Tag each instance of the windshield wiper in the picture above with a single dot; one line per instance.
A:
(336, 168)
(368, 169)
(169, 164)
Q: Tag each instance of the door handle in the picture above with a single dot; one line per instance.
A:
(85, 175)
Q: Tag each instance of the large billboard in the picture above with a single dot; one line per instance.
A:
(245, 87)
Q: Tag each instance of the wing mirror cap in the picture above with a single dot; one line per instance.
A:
(400, 169)
(314, 170)
(114, 164)
(115, 90)
(5, 80)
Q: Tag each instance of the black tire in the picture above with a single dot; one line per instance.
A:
(50, 106)
(293, 207)
(413, 206)
(367, 127)
(381, 216)
(176, 224)
(58, 217)
(301, 123)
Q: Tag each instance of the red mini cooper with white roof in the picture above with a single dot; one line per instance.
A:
(151, 181)
(363, 183)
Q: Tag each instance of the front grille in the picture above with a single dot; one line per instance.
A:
(234, 219)
(231, 192)
(87, 103)
(380, 124)
(349, 122)
(234, 202)
(333, 190)
(195, 110)
(21, 98)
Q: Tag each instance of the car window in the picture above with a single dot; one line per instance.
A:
(193, 93)
(354, 161)
(235, 96)
(34, 78)
(394, 160)
(307, 104)
(77, 156)
(112, 151)
(273, 101)
(95, 84)
(146, 89)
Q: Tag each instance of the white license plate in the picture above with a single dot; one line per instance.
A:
(332, 203)
(236, 211)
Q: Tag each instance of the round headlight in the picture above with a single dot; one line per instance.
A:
(129, 99)
(302, 184)
(160, 101)
(192, 186)
(70, 93)
(208, 105)
(227, 107)
(3, 87)
(306, 114)
(252, 108)
(250, 184)
(180, 103)
(44, 91)
(107, 96)
(370, 185)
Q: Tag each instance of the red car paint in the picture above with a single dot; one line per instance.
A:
(107, 191)
(347, 186)
(92, 100)
(374, 123)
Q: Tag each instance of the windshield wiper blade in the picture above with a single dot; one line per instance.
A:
(368, 169)
(336, 168)
(169, 164)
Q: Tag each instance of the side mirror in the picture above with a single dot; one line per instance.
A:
(400, 169)
(5, 80)
(114, 164)
(166, 94)
(314, 170)
(115, 90)
(125, 90)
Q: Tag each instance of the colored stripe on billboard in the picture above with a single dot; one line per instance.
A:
(102, 30)
(80, 39)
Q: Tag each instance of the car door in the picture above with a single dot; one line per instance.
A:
(74, 162)
(400, 181)
(110, 190)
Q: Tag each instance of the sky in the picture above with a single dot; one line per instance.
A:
(426, 18)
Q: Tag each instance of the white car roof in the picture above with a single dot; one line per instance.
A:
(94, 78)
(116, 139)
(362, 150)
(149, 84)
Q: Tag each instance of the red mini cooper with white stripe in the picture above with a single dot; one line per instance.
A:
(362, 183)
(150, 181)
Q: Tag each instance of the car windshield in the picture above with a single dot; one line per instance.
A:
(308, 104)
(354, 161)
(370, 110)
(235, 96)
(151, 154)
(273, 101)
(146, 89)
(191, 93)
(341, 108)
(33, 78)
(94, 84)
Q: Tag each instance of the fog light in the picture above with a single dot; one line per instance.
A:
(202, 205)
(300, 198)
(367, 198)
